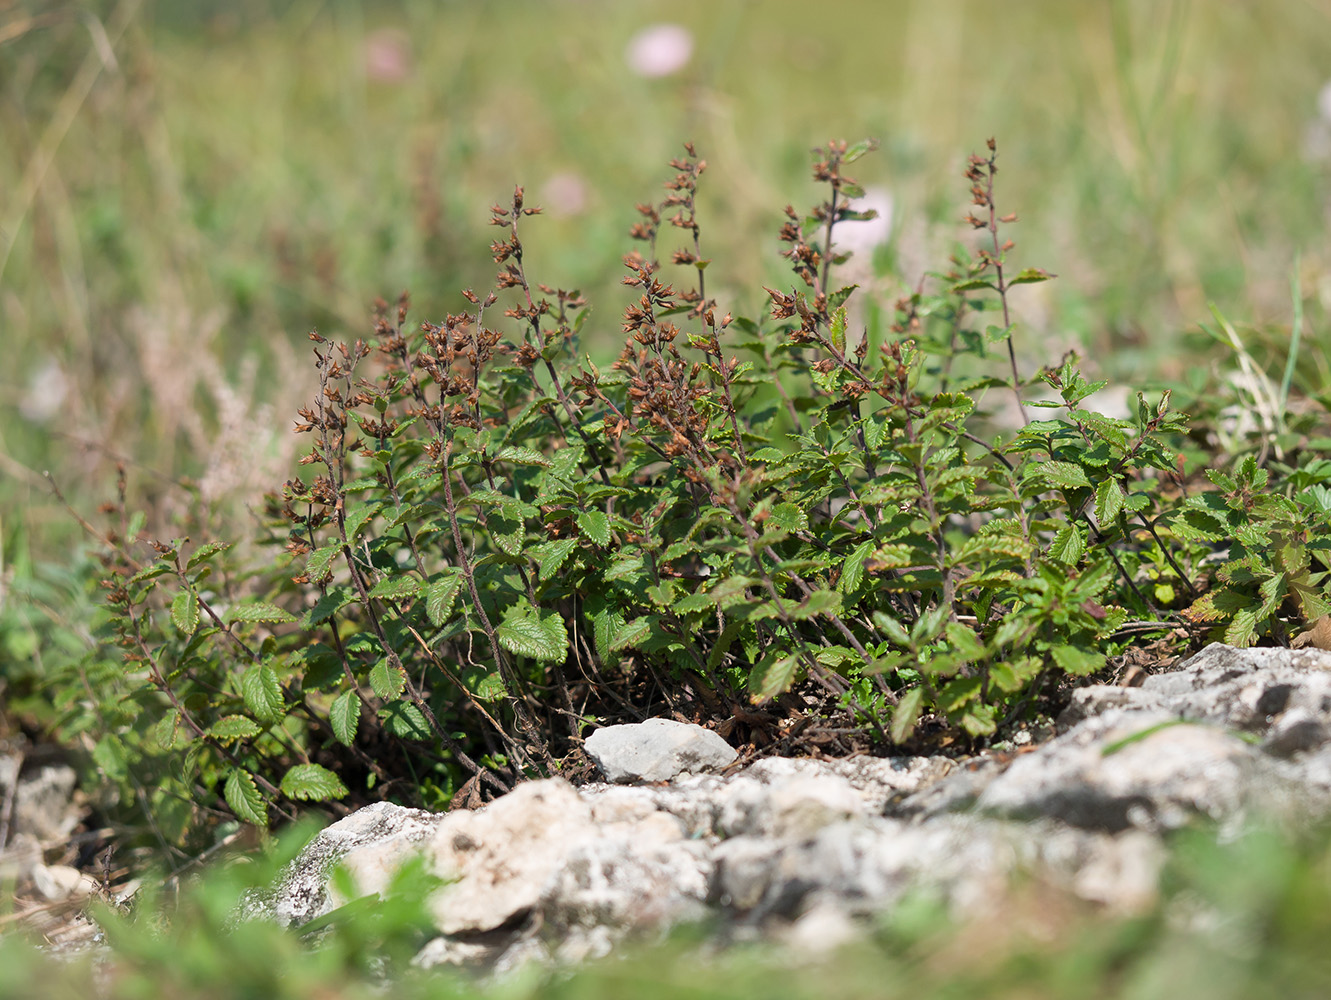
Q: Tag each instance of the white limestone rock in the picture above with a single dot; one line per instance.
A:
(656, 750)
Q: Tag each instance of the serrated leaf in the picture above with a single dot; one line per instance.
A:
(772, 676)
(595, 525)
(344, 715)
(110, 756)
(859, 149)
(259, 611)
(507, 532)
(530, 632)
(1064, 475)
(1108, 501)
(262, 693)
(624, 569)
(820, 602)
(363, 483)
(233, 727)
(973, 284)
(488, 686)
(1077, 662)
(358, 515)
(553, 555)
(150, 572)
(405, 720)
(387, 680)
(605, 624)
(312, 783)
(906, 715)
(396, 588)
(242, 795)
(316, 567)
(893, 628)
(838, 329)
(332, 602)
(1031, 275)
(630, 634)
(1242, 628)
(1068, 545)
(520, 455)
(204, 553)
(185, 611)
(440, 596)
(852, 570)
(789, 517)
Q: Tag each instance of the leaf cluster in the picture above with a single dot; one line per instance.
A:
(777, 526)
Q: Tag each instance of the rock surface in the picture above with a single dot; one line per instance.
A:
(801, 849)
(656, 750)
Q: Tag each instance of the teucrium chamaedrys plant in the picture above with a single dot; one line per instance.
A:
(501, 543)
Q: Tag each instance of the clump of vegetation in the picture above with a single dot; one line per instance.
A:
(775, 526)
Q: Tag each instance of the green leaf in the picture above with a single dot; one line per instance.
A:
(312, 783)
(906, 715)
(486, 686)
(789, 517)
(332, 602)
(233, 727)
(185, 611)
(440, 596)
(624, 568)
(530, 632)
(358, 515)
(259, 611)
(520, 455)
(859, 149)
(263, 693)
(396, 588)
(1108, 501)
(1077, 662)
(1064, 475)
(772, 676)
(316, 567)
(111, 757)
(894, 629)
(387, 680)
(203, 553)
(149, 572)
(820, 602)
(1242, 629)
(403, 719)
(629, 635)
(552, 556)
(838, 329)
(242, 795)
(605, 624)
(595, 525)
(1031, 275)
(852, 570)
(344, 714)
(1068, 545)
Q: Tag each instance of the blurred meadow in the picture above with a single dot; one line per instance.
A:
(186, 189)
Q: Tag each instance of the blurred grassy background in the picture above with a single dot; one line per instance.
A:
(187, 188)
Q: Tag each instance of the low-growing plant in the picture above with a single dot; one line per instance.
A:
(772, 526)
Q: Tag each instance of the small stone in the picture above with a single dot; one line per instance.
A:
(656, 750)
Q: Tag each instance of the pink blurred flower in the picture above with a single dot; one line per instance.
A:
(564, 194)
(661, 50)
(387, 55)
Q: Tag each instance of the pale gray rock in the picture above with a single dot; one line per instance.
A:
(372, 841)
(656, 750)
(1146, 770)
(803, 851)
